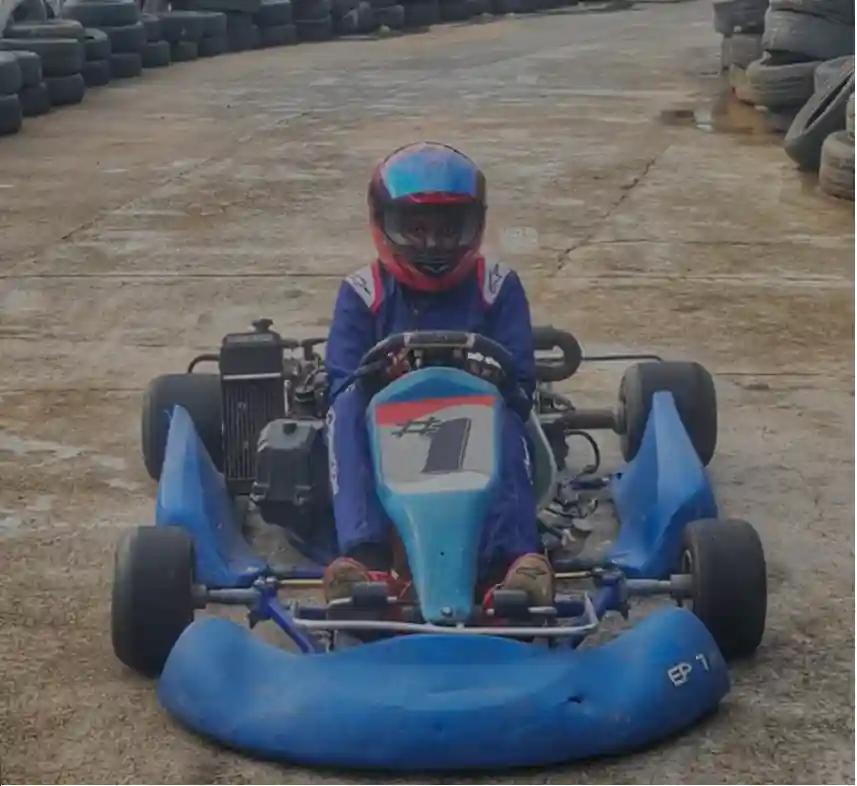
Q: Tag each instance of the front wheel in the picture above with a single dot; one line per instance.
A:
(729, 587)
(695, 399)
(199, 394)
(152, 596)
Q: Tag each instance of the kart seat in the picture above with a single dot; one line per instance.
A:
(545, 473)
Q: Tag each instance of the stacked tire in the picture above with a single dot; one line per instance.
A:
(740, 23)
(156, 53)
(352, 17)
(11, 82)
(313, 20)
(275, 20)
(455, 10)
(798, 36)
(97, 70)
(183, 30)
(60, 45)
(215, 38)
(818, 138)
(420, 14)
(836, 168)
(227, 25)
(120, 21)
(33, 95)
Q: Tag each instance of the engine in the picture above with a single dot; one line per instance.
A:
(253, 390)
(292, 486)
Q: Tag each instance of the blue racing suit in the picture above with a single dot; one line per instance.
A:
(372, 305)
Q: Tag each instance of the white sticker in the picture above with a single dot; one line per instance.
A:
(333, 466)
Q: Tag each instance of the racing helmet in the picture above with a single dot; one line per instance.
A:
(427, 215)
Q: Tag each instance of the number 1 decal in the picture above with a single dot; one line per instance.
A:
(447, 447)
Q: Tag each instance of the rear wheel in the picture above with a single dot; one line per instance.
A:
(199, 394)
(695, 398)
(729, 587)
(152, 596)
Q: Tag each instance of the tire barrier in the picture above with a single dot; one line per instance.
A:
(47, 62)
(794, 59)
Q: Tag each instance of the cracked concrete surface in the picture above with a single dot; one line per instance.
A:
(142, 225)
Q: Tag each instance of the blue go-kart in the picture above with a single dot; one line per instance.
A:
(430, 680)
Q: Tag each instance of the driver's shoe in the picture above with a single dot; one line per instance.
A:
(341, 576)
(534, 575)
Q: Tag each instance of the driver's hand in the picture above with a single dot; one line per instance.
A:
(399, 365)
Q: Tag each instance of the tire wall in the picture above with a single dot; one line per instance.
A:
(793, 60)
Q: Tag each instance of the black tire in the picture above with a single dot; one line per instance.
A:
(199, 394)
(11, 115)
(128, 38)
(157, 54)
(126, 65)
(340, 8)
(30, 11)
(184, 51)
(66, 90)
(455, 11)
(153, 600)
(223, 6)
(780, 86)
(744, 16)
(849, 117)
(97, 73)
(152, 26)
(502, 7)
(11, 76)
(392, 17)
(182, 26)
(60, 56)
(101, 13)
(829, 70)
(51, 28)
(282, 35)
(274, 13)
(311, 9)
(315, 29)
(211, 47)
(96, 45)
(834, 10)
(812, 36)
(819, 117)
(729, 582)
(31, 68)
(35, 100)
(236, 21)
(244, 38)
(723, 18)
(214, 24)
(695, 398)
(744, 48)
(836, 170)
(421, 15)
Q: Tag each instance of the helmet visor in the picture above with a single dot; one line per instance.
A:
(433, 235)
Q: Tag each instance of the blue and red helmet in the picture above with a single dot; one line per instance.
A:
(427, 215)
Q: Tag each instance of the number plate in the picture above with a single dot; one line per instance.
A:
(439, 444)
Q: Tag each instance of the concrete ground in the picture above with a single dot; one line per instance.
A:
(139, 227)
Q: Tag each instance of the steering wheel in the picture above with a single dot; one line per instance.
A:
(451, 348)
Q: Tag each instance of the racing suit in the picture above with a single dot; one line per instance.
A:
(372, 305)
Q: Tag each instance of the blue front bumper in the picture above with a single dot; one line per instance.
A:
(444, 702)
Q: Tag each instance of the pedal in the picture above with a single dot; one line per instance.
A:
(371, 595)
(510, 604)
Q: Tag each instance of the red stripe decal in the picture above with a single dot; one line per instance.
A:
(404, 411)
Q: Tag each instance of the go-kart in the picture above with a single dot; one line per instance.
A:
(430, 680)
